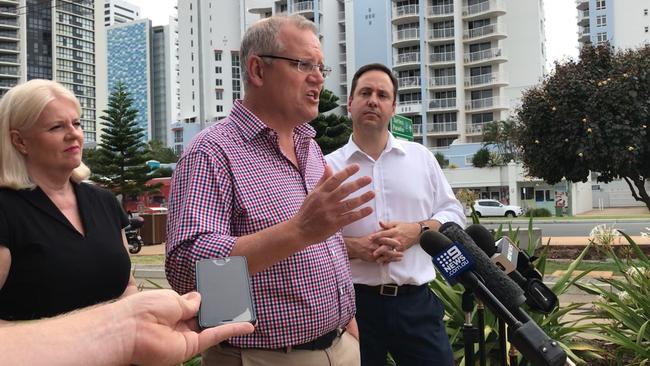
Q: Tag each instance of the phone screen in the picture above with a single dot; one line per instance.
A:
(225, 291)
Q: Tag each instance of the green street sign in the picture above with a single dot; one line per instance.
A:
(401, 127)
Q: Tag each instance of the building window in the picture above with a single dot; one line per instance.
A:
(218, 94)
(217, 55)
(601, 21)
(178, 136)
(646, 29)
(527, 193)
(601, 37)
(218, 82)
(600, 4)
(217, 70)
(219, 108)
(645, 11)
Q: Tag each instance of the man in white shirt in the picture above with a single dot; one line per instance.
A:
(396, 311)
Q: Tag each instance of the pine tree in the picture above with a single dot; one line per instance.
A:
(332, 131)
(119, 161)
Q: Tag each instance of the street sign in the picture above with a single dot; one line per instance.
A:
(401, 127)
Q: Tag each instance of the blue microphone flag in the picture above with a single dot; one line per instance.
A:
(452, 262)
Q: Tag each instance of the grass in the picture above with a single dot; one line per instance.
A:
(158, 259)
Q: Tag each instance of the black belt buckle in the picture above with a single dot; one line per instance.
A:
(388, 290)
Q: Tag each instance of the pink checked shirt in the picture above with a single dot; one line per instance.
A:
(232, 181)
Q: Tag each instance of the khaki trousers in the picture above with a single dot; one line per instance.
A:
(343, 352)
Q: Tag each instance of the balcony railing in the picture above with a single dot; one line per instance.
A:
(442, 80)
(442, 103)
(344, 78)
(482, 7)
(443, 57)
(407, 34)
(13, 22)
(409, 102)
(417, 128)
(408, 82)
(482, 55)
(483, 103)
(442, 127)
(303, 6)
(492, 77)
(341, 15)
(342, 37)
(484, 31)
(441, 33)
(437, 10)
(342, 57)
(405, 10)
(407, 58)
(475, 128)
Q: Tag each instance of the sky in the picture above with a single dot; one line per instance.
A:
(561, 24)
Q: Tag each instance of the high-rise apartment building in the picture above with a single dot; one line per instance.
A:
(459, 63)
(118, 11)
(129, 64)
(12, 50)
(624, 24)
(164, 81)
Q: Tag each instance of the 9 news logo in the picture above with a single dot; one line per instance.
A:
(452, 262)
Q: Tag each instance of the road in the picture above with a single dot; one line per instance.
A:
(572, 228)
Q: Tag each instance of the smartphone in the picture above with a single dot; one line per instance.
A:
(224, 285)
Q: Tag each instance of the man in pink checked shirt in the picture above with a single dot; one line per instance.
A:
(256, 185)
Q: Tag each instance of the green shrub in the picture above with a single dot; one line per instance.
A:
(481, 158)
(442, 161)
(538, 212)
(626, 304)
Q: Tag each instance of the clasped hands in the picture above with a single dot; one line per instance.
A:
(386, 245)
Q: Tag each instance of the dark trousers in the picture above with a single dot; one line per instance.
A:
(410, 326)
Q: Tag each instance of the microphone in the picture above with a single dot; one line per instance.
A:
(454, 262)
(509, 258)
(501, 286)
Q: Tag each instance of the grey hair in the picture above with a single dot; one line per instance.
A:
(19, 110)
(262, 38)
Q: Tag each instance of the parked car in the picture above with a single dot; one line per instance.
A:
(487, 207)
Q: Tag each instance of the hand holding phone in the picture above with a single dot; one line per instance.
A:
(224, 285)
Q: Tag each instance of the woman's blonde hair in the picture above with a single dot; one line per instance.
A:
(19, 110)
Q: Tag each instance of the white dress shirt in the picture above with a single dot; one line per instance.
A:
(409, 186)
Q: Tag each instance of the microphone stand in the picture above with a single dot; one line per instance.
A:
(469, 332)
(480, 309)
(503, 347)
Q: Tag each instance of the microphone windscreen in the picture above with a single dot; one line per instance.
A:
(432, 242)
(506, 290)
(483, 238)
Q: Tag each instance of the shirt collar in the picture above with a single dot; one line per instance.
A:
(250, 125)
(392, 144)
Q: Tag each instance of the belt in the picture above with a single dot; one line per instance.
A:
(390, 289)
(320, 343)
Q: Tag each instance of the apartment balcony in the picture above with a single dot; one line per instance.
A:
(442, 82)
(406, 37)
(584, 34)
(441, 11)
(342, 37)
(9, 47)
(485, 104)
(490, 7)
(582, 4)
(440, 35)
(583, 17)
(11, 59)
(491, 79)
(343, 99)
(9, 23)
(442, 57)
(405, 14)
(343, 57)
(417, 129)
(411, 82)
(401, 61)
(409, 107)
(442, 104)
(8, 35)
(344, 78)
(485, 56)
(304, 7)
(475, 128)
(485, 33)
(445, 128)
(8, 10)
(341, 17)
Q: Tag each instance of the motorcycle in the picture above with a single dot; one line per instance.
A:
(133, 237)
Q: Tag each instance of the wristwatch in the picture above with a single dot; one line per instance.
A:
(423, 226)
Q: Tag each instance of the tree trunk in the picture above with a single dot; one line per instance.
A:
(642, 195)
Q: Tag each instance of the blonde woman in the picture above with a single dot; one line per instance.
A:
(62, 243)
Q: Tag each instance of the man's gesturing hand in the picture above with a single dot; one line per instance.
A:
(327, 208)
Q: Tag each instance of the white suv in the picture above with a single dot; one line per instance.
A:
(488, 207)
